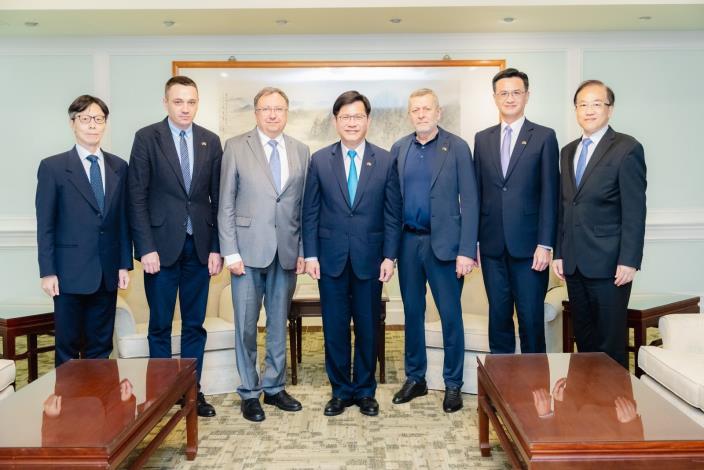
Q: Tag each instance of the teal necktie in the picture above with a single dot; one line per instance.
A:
(352, 177)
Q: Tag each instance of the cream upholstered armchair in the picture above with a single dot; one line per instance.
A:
(7, 378)
(132, 322)
(475, 314)
(676, 370)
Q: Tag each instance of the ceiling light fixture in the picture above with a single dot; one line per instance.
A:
(508, 19)
(282, 22)
(395, 20)
(168, 23)
(31, 24)
(645, 18)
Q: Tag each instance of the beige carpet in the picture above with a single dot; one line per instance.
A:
(414, 435)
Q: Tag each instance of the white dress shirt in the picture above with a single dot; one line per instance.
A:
(515, 130)
(357, 160)
(268, 149)
(595, 138)
(176, 135)
(83, 153)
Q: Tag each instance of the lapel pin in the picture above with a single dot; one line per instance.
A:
(204, 144)
(523, 142)
(369, 163)
(444, 149)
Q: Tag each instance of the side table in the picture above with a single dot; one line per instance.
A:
(29, 320)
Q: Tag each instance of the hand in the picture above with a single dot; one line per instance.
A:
(123, 279)
(313, 269)
(386, 271)
(557, 268)
(541, 401)
(464, 265)
(300, 265)
(624, 275)
(125, 390)
(50, 285)
(52, 405)
(541, 258)
(558, 391)
(625, 410)
(237, 268)
(214, 264)
(150, 263)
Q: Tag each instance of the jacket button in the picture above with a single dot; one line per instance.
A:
(504, 189)
(278, 199)
(351, 214)
(574, 203)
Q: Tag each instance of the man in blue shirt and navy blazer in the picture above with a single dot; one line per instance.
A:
(351, 229)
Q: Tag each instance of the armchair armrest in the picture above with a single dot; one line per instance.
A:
(553, 302)
(683, 332)
(124, 319)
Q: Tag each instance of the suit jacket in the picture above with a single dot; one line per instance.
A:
(519, 211)
(365, 230)
(159, 203)
(602, 222)
(255, 220)
(75, 241)
(454, 208)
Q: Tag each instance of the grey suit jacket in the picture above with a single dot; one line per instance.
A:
(253, 219)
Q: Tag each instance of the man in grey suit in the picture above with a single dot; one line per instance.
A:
(259, 220)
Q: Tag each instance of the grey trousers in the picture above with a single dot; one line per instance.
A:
(274, 286)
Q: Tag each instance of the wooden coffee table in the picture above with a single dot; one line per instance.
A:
(581, 411)
(105, 410)
(30, 320)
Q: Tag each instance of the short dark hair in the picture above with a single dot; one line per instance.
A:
(350, 97)
(509, 73)
(179, 80)
(609, 92)
(82, 103)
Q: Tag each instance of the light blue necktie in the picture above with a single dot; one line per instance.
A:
(275, 165)
(352, 178)
(582, 161)
(506, 150)
(186, 170)
(96, 182)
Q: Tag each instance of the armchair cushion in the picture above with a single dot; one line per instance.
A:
(683, 332)
(680, 372)
(7, 377)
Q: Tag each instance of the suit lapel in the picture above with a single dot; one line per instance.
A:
(604, 145)
(292, 161)
(402, 157)
(337, 165)
(168, 148)
(200, 154)
(255, 145)
(495, 150)
(441, 152)
(522, 142)
(77, 176)
(569, 151)
(110, 180)
(368, 166)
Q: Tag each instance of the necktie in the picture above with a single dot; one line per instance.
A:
(582, 161)
(186, 170)
(96, 181)
(275, 165)
(506, 150)
(352, 177)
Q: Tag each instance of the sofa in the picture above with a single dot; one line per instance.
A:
(7, 378)
(676, 370)
(475, 313)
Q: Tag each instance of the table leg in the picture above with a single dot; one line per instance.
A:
(567, 333)
(299, 337)
(292, 340)
(640, 332)
(191, 424)
(32, 369)
(483, 421)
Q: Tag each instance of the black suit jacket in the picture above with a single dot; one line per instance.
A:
(518, 212)
(365, 230)
(601, 223)
(159, 203)
(75, 241)
(454, 208)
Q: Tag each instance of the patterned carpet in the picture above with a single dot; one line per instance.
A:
(414, 435)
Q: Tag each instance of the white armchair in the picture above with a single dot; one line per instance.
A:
(676, 371)
(7, 378)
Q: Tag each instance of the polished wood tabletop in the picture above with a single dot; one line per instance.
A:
(582, 406)
(94, 411)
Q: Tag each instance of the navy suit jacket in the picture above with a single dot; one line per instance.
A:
(75, 242)
(602, 222)
(365, 230)
(518, 212)
(159, 203)
(454, 208)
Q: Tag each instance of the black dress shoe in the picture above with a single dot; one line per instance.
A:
(368, 406)
(204, 409)
(453, 400)
(336, 406)
(283, 401)
(409, 391)
(252, 410)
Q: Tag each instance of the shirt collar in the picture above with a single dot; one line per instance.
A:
(83, 153)
(431, 141)
(359, 149)
(265, 138)
(177, 131)
(596, 136)
(515, 125)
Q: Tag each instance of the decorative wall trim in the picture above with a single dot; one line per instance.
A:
(18, 232)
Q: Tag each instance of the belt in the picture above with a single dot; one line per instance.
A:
(417, 231)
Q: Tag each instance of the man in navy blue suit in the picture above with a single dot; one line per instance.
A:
(351, 229)
(83, 238)
(517, 170)
(174, 184)
(439, 242)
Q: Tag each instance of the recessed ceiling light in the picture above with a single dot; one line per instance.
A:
(282, 22)
(168, 23)
(224, 74)
(31, 24)
(508, 19)
(645, 18)
(395, 20)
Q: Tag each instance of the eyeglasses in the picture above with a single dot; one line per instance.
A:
(85, 118)
(267, 110)
(597, 106)
(513, 94)
(352, 117)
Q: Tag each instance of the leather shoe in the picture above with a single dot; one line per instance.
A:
(409, 391)
(336, 406)
(203, 408)
(368, 406)
(252, 410)
(453, 400)
(283, 401)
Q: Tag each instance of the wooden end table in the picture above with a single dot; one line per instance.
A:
(644, 311)
(107, 408)
(29, 320)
